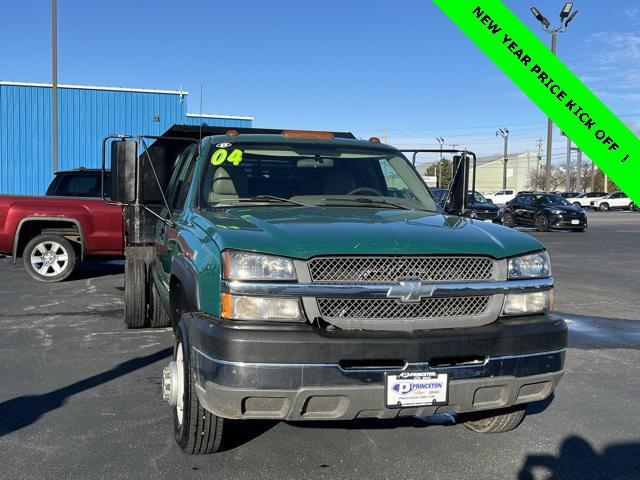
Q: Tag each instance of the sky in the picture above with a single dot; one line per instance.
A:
(397, 70)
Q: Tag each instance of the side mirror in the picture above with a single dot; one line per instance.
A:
(489, 200)
(123, 171)
(459, 184)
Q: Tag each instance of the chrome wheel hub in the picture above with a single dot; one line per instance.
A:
(173, 384)
(49, 258)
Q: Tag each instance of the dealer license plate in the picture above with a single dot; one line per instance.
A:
(575, 222)
(416, 389)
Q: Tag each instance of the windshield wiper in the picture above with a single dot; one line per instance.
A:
(271, 198)
(380, 201)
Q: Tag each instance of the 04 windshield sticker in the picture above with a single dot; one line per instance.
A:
(221, 155)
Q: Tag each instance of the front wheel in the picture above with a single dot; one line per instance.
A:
(633, 207)
(542, 223)
(604, 207)
(508, 220)
(495, 421)
(49, 258)
(577, 204)
(197, 431)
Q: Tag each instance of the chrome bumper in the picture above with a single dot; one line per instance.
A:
(381, 291)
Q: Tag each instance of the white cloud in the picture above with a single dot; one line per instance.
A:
(632, 13)
(613, 68)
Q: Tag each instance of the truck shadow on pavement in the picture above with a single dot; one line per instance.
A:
(95, 268)
(578, 460)
(22, 411)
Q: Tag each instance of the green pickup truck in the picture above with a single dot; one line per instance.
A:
(313, 277)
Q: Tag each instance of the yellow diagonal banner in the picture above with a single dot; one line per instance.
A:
(552, 87)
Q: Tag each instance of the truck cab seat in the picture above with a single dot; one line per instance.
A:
(228, 184)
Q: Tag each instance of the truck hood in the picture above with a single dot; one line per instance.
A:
(304, 232)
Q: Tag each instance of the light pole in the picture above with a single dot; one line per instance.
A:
(505, 135)
(54, 83)
(579, 166)
(567, 180)
(440, 140)
(565, 18)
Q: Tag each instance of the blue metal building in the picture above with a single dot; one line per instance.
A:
(86, 114)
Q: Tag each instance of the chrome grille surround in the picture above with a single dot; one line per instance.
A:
(391, 309)
(389, 269)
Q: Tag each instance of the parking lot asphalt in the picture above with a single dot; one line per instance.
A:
(80, 395)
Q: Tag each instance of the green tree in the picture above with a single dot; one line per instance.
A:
(442, 169)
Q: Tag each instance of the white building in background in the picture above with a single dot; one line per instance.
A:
(430, 180)
(519, 166)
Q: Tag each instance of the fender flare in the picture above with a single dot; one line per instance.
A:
(183, 269)
(75, 221)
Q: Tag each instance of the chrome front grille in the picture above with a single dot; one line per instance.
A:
(391, 309)
(388, 269)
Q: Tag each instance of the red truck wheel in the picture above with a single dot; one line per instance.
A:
(49, 258)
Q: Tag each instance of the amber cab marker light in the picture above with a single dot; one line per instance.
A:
(232, 133)
(374, 140)
(227, 306)
(307, 134)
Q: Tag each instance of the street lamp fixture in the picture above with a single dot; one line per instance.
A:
(566, 10)
(565, 17)
(541, 18)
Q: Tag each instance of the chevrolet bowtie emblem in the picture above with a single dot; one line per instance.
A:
(410, 290)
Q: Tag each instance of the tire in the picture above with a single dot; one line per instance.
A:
(135, 293)
(49, 258)
(197, 431)
(633, 207)
(495, 421)
(158, 316)
(577, 204)
(508, 220)
(603, 207)
(542, 223)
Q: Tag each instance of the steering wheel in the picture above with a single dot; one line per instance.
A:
(365, 191)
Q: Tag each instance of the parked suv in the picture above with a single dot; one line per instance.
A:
(501, 197)
(300, 286)
(544, 211)
(584, 200)
(479, 207)
(615, 200)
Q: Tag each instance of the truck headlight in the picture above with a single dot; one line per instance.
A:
(534, 265)
(528, 303)
(256, 266)
(241, 307)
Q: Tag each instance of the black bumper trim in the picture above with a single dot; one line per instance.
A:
(226, 340)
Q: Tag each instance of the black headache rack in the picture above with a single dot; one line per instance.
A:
(463, 175)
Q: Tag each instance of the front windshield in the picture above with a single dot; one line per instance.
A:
(552, 200)
(310, 174)
(476, 197)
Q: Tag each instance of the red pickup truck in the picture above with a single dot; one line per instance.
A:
(71, 222)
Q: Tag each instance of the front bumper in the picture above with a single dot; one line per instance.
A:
(305, 373)
(566, 221)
